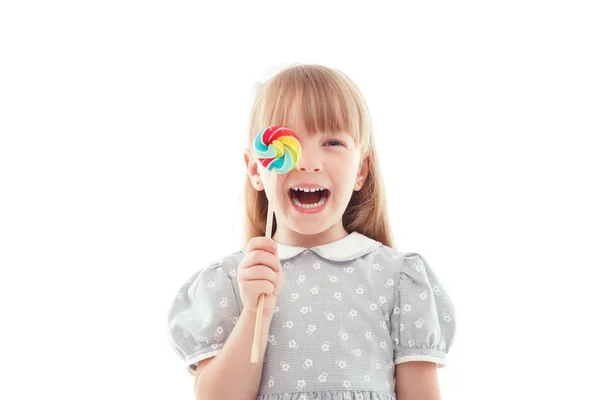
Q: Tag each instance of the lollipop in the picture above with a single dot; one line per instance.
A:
(277, 148)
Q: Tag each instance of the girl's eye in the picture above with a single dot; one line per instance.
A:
(335, 141)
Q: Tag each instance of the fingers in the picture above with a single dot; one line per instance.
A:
(258, 272)
(262, 286)
(257, 257)
(262, 243)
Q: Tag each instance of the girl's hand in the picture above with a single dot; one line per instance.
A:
(260, 272)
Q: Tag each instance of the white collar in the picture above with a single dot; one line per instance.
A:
(350, 247)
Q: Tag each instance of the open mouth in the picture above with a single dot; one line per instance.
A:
(308, 200)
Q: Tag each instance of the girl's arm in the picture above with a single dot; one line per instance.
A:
(417, 380)
(230, 375)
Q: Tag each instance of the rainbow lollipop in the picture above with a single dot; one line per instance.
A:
(277, 148)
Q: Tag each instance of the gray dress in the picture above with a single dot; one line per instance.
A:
(348, 312)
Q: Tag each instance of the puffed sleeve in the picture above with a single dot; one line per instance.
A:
(202, 315)
(422, 323)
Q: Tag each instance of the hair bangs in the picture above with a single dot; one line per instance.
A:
(323, 102)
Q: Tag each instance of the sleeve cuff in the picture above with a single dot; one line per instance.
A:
(193, 360)
(421, 354)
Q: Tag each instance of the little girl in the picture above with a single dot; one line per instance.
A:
(356, 318)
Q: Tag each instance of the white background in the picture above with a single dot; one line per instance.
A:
(122, 129)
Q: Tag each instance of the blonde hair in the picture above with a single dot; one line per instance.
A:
(328, 102)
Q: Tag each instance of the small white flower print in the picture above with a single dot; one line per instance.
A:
(382, 300)
(423, 295)
(346, 395)
(186, 334)
(347, 384)
(303, 397)
(330, 316)
(396, 341)
(301, 383)
(223, 302)
(406, 308)
(292, 344)
(333, 278)
(360, 396)
(301, 279)
(317, 265)
(272, 339)
(314, 289)
(357, 352)
(386, 317)
(383, 345)
(395, 257)
(210, 284)
(341, 364)
(390, 365)
(401, 327)
(323, 377)
(233, 273)
(305, 309)
(377, 365)
(338, 296)
(437, 290)
(311, 329)
(325, 346)
(383, 325)
(219, 331)
(352, 313)
(287, 265)
(373, 306)
(389, 283)
(447, 317)
(307, 363)
(276, 309)
(376, 266)
(419, 268)
(442, 344)
(271, 381)
(419, 323)
(343, 335)
(295, 296)
(235, 319)
(360, 289)
(369, 336)
(411, 343)
(349, 270)
(396, 310)
(215, 346)
(288, 324)
(285, 366)
(367, 377)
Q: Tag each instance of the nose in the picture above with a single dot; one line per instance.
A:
(309, 162)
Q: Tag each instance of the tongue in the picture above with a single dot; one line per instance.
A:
(308, 197)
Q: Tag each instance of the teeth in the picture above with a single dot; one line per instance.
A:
(307, 189)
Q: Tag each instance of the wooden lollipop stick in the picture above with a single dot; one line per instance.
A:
(261, 299)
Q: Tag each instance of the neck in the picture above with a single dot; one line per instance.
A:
(284, 235)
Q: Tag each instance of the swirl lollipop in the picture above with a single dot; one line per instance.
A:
(277, 148)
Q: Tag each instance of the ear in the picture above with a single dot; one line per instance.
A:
(363, 172)
(252, 170)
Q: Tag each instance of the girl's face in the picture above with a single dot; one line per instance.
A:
(329, 161)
